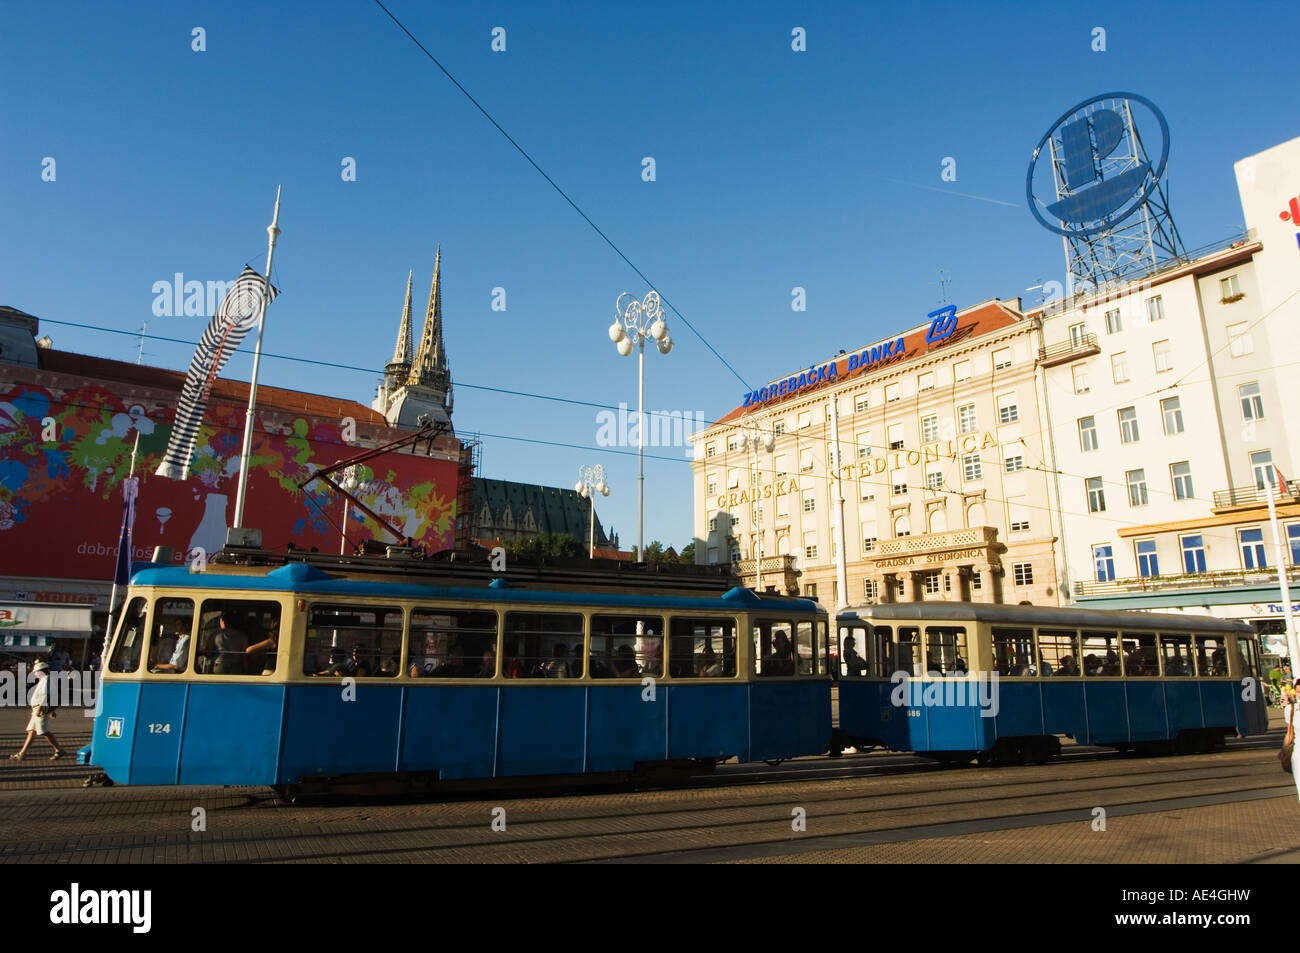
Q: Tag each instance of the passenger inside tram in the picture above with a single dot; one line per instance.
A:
(781, 661)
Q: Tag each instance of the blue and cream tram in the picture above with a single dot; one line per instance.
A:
(256, 676)
(1001, 683)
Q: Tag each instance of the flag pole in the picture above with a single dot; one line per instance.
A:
(273, 230)
(112, 596)
(1283, 581)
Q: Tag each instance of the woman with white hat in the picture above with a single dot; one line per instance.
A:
(39, 700)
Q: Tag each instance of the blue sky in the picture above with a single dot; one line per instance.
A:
(774, 169)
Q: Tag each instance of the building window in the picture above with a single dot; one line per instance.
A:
(1164, 356)
(1193, 553)
(1293, 542)
(778, 428)
(1119, 367)
(930, 428)
(735, 554)
(1113, 323)
(925, 381)
(809, 503)
(1148, 566)
(931, 582)
(1103, 562)
(868, 544)
(735, 521)
(892, 392)
(805, 419)
(966, 420)
(1229, 289)
(810, 590)
(864, 445)
(1261, 465)
(861, 403)
(1087, 434)
(869, 590)
(1252, 404)
(902, 527)
(1020, 526)
(868, 492)
(895, 435)
(1137, 487)
(713, 523)
(1182, 477)
(1078, 334)
(712, 489)
(971, 464)
(1252, 549)
(1240, 343)
(805, 461)
(1023, 574)
(1015, 464)
(934, 480)
(710, 450)
(1080, 373)
(899, 482)
(961, 371)
(810, 545)
(976, 581)
(1008, 411)
(731, 444)
(1128, 425)
(1171, 409)
(1096, 495)
(1156, 308)
(1001, 358)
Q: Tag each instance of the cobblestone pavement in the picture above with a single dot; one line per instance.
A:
(1227, 807)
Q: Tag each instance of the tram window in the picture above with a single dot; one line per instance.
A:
(169, 649)
(627, 646)
(1176, 654)
(853, 642)
(1101, 654)
(130, 638)
(907, 651)
(542, 644)
(881, 655)
(352, 641)
(702, 648)
(945, 649)
(1211, 656)
(773, 648)
(823, 649)
(1140, 655)
(804, 649)
(1058, 651)
(452, 643)
(1248, 656)
(1013, 652)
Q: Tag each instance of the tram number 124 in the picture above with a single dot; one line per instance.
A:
(160, 729)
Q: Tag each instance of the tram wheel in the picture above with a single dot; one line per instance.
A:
(287, 793)
(774, 762)
(1040, 751)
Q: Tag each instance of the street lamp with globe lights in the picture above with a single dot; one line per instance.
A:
(633, 323)
(590, 482)
(752, 436)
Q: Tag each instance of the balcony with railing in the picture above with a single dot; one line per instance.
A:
(779, 572)
(1079, 346)
(1221, 579)
(1256, 496)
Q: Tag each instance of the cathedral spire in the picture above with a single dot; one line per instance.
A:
(402, 353)
(429, 359)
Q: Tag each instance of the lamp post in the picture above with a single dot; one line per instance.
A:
(752, 436)
(634, 323)
(591, 480)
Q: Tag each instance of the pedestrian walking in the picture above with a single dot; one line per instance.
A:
(41, 714)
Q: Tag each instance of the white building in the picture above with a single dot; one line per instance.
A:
(1167, 401)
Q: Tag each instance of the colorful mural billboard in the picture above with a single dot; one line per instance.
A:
(64, 452)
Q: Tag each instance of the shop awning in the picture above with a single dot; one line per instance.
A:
(31, 627)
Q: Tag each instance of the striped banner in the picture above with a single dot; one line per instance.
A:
(234, 319)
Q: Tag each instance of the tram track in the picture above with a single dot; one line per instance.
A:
(740, 819)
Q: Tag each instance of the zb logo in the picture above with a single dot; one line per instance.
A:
(943, 323)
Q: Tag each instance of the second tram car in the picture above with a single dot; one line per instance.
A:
(1001, 683)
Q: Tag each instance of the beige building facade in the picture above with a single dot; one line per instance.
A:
(932, 440)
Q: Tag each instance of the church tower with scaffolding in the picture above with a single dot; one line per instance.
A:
(417, 382)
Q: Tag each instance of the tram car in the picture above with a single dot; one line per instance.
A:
(1002, 683)
(301, 678)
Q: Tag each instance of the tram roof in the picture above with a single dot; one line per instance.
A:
(1041, 615)
(310, 580)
